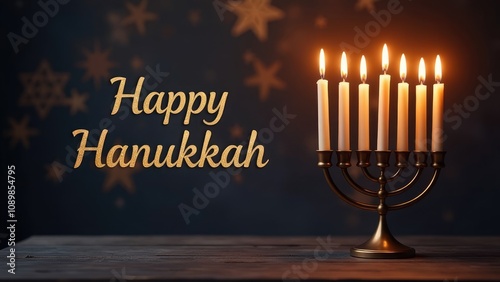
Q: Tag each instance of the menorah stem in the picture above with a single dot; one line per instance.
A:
(382, 244)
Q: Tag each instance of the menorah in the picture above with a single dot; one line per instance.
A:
(382, 244)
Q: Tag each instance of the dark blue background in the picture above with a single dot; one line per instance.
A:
(289, 196)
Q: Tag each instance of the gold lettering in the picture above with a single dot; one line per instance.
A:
(219, 109)
(208, 152)
(251, 151)
(185, 153)
(192, 100)
(120, 95)
(82, 149)
(157, 106)
(129, 155)
(171, 100)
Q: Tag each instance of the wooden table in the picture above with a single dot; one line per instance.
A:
(126, 258)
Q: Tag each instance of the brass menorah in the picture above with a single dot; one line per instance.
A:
(382, 244)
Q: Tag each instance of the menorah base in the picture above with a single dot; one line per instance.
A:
(382, 245)
(368, 251)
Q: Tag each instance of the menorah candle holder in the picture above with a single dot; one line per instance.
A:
(382, 244)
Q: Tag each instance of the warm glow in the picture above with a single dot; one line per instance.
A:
(385, 58)
(343, 66)
(402, 68)
(438, 72)
(362, 69)
(421, 71)
(322, 63)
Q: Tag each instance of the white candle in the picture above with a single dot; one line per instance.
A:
(344, 142)
(437, 109)
(402, 135)
(383, 104)
(323, 116)
(421, 111)
(363, 110)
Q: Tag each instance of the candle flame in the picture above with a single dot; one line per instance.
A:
(421, 71)
(362, 69)
(322, 63)
(385, 58)
(402, 68)
(343, 66)
(438, 71)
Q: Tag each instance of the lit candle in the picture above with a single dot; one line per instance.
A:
(363, 110)
(402, 135)
(323, 116)
(421, 111)
(344, 142)
(437, 109)
(383, 104)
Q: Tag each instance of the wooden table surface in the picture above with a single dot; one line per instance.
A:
(131, 258)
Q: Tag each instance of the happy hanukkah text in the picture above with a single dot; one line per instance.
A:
(167, 105)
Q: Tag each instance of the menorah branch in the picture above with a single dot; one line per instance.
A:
(437, 164)
(382, 244)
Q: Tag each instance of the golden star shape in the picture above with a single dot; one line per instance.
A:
(139, 16)
(236, 131)
(194, 17)
(320, 22)
(265, 78)
(43, 89)
(119, 175)
(369, 5)
(137, 63)
(96, 64)
(76, 102)
(20, 132)
(52, 173)
(254, 15)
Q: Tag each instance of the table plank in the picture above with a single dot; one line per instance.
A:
(104, 258)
